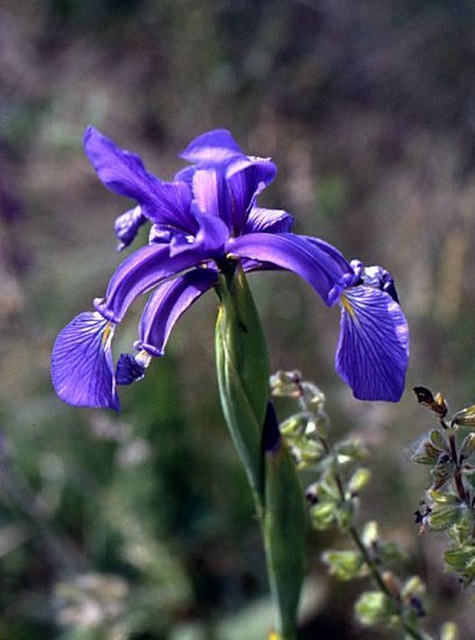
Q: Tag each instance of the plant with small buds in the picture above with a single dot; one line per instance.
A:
(339, 475)
(449, 502)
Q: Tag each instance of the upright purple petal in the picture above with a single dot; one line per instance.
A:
(121, 171)
(209, 192)
(373, 348)
(82, 370)
(317, 262)
(259, 172)
(211, 148)
(124, 173)
(140, 272)
(268, 221)
(171, 206)
(245, 179)
(167, 304)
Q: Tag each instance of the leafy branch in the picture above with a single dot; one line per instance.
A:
(333, 496)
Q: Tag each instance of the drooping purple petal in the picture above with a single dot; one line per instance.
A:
(213, 147)
(140, 272)
(82, 370)
(317, 262)
(268, 221)
(373, 348)
(167, 304)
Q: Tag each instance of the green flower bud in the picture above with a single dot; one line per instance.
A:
(465, 417)
(345, 565)
(373, 608)
(467, 448)
(358, 481)
(243, 373)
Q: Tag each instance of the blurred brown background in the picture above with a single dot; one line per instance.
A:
(368, 109)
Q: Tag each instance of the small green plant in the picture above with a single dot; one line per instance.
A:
(449, 501)
(339, 474)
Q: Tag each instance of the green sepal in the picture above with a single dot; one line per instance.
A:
(374, 607)
(358, 481)
(462, 559)
(324, 515)
(351, 450)
(345, 565)
(443, 517)
(467, 449)
(465, 417)
(442, 473)
(284, 527)
(243, 372)
(431, 449)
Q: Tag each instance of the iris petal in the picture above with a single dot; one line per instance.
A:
(268, 221)
(373, 348)
(127, 225)
(121, 171)
(124, 173)
(82, 369)
(246, 178)
(141, 271)
(167, 304)
(129, 369)
(317, 262)
(209, 191)
(213, 147)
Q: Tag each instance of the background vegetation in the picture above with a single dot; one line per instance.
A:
(140, 524)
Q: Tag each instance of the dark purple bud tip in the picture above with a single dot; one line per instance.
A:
(271, 435)
(311, 495)
(127, 225)
(418, 606)
(128, 369)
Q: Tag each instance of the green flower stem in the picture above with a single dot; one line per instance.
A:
(284, 527)
(243, 375)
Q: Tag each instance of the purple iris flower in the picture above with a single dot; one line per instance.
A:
(201, 222)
